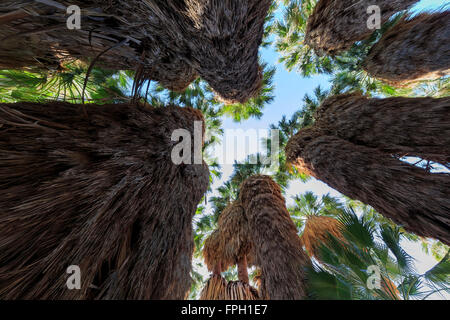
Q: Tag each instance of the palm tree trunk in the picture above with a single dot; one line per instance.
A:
(336, 25)
(173, 42)
(100, 193)
(413, 50)
(417, 127)
(410, 196)
(242, 270)
(277, 245)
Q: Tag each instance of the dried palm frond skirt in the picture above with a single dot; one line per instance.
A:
(217, 288)
(100, 193)
(317, 231)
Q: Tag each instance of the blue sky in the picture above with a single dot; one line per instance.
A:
(290, 88)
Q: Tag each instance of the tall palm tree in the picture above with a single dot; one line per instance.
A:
(344, 67)
(414, 49)
(335, 25)
(277, 246)
(398, 190)
(101, 193)
(170, 42)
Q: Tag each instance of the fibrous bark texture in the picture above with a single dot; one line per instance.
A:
(414, 49)
(173, 41)
(410, 196)
(277, 244)
(417, 127)
(336, 25)
(236, 234)
(100, 193)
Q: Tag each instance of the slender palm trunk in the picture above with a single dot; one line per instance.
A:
(414, 49)
(417, 127)
(100, 193)
(277, 245)
(408, 195)
(336, 25)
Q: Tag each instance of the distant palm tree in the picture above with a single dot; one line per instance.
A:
(344, 271)
(66, 84)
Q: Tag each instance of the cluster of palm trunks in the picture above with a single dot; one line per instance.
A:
(96, 187)
(256, 230)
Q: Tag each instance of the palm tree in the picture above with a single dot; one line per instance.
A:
(344, 271)
(230, 244)
(392, 125)
(413, 50)
(335, 25)
(309, 205)
(369, 150)
(101, 193)
(344, 67)
(164, 41)
(290, 40)
(277, 246)
(397, 190)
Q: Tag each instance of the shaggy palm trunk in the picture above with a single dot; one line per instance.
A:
(100, 193)
(172, 42)
(277, 245)
(336, 25)
(408, 195)
(402, 126)
(413, 50)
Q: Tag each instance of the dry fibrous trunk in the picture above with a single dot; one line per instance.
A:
(336, 25)
(173, 42)
(100, 193)
(410, 196)
(417, 127)
(277, 245)
(414, 49)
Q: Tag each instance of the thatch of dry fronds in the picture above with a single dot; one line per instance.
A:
(213, 254)
(217, 288)
(317, 231)
(235, 233)
(393, 125)
(335, 25)
(98, 192)
(277, 245)
(415, 49)
(214, 289)
(172, 42)
(238, 290)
